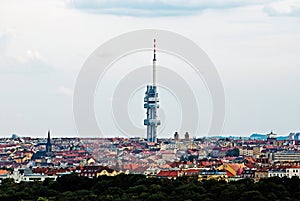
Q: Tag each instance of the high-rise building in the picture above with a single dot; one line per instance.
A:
(151, 104)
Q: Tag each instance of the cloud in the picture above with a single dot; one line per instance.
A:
(4, 40)
(283, 8)
(29, 61)
(157, 8)
(65, 91)
(27, 65)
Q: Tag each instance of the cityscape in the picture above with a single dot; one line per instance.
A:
(149, 100)
(221, 158)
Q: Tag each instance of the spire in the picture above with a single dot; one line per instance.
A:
(154, 50)
(48, 145)
(48, 139)
(154, 62)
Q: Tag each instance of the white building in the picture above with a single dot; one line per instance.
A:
(288, 172)
(20, 175)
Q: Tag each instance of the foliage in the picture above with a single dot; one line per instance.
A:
(138, 187)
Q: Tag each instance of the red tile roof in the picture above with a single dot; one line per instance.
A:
(168, 173)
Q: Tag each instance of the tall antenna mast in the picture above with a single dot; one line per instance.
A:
(154, 63)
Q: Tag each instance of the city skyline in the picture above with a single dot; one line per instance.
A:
(254, 47)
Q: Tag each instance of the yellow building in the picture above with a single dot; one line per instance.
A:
(213, 174)
(260, 174)
(108, 172)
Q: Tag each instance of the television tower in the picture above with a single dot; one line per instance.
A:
(151, 104)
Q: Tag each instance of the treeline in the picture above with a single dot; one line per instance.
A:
(138, 187)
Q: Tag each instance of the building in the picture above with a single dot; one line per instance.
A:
(246, 151)
(297, 136)
(176, 136)
(293, 172)
(271, 138)
(96, 171)
(260, 174)
(27, 175)
(170, 174)
(286, 156)
(248, 173)
(48, 145)
(212, 174)
(151, 172)
(257, 151)
(151, 104)
(291, 136)
(168, 155)
(44, 157)
(278, 172)
(187, 136)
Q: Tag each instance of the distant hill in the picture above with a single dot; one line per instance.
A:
(282, 137)
(257, 136)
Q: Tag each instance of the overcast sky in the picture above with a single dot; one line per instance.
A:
(255, 47)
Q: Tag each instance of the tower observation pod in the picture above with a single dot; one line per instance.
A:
(151, 104)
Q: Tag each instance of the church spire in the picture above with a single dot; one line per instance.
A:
(48, 139)
(48, 145)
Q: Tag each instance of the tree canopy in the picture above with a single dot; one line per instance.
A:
(138, 187)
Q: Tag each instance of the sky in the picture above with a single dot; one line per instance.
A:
(253, 44)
